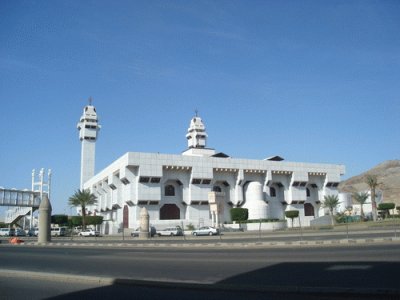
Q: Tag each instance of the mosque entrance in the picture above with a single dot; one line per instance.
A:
(169, 212)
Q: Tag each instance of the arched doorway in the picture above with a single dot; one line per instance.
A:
(169, 212)
(125, 218)
(308, 209)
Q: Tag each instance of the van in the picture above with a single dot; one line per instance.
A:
(58, 231)
(7, 231)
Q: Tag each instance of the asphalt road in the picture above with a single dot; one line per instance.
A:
(352, 271)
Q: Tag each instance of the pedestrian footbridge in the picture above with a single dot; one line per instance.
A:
(13, 197)
(21, 202)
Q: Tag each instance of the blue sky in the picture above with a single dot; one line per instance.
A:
(312, 81)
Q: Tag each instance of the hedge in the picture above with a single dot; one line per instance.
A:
(239, 214)
(386, 206)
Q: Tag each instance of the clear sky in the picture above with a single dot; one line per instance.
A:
(311, 81)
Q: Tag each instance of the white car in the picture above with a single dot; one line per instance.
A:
(170, 231)
(7, 231)
(89, 232)
(206, 230)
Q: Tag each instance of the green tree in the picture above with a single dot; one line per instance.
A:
(361, 198)
(372, 182)
(291, 214)
(386, 207)
(331, 202)
(82, 198)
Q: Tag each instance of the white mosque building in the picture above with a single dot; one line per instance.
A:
(199, 186)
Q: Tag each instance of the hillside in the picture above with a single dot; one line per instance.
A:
(388, 174)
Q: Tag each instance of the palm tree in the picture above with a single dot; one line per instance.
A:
(361, 198)
(331, 202)
(372, 182)
(82, 198)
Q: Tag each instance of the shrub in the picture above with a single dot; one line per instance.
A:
(264, 220)
(190, 227)
(291, 214)
(239, 214)
(386, 206)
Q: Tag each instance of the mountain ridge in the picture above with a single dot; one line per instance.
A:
(388, 175)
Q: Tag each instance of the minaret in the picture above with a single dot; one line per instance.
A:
(88, 127)
(197, 138)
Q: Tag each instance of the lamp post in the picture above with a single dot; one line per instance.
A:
(348, 210)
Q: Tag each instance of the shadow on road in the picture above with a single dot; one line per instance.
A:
(320, 280)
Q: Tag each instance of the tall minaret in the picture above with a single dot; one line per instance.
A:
(196, 136)
(88, 127)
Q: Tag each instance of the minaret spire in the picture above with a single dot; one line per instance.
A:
(90, 100)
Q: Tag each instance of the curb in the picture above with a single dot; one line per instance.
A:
(220, 244)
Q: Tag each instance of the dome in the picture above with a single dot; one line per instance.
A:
(196, 124)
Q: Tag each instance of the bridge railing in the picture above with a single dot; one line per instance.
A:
(16, 213)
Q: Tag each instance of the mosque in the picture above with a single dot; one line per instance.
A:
(199, 186)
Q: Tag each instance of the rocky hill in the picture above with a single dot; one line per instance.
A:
(388, 174)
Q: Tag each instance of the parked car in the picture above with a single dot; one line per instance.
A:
(171, 231)
(152, 231)
(33, 231)
(19, 232)
(7, 231)
(89, 232)
(206, 230)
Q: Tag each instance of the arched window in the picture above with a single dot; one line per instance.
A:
(169, 190)
(308, 192)
(272, 192)
(217, 189)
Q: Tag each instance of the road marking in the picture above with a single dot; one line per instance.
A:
(348, 267)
